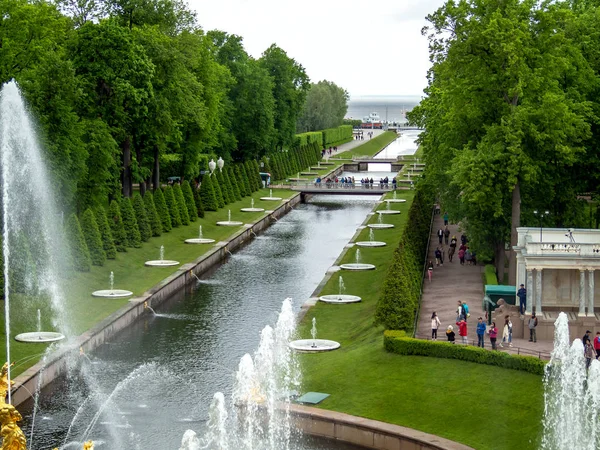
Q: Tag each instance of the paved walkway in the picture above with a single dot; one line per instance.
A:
(452, 282)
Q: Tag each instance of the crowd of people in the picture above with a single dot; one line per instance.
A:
(366, 183)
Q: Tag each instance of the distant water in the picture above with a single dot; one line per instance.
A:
(393, 107)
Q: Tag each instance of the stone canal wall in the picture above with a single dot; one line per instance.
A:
(56, 364)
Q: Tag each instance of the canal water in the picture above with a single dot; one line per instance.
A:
(405, 145)
(158, 377)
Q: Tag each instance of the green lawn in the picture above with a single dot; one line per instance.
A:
(443, 397)
(370, 147)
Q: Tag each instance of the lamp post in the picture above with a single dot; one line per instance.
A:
(541, 216)
(220, 164)
(212, 165)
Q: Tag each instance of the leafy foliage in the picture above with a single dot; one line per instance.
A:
(325, 107)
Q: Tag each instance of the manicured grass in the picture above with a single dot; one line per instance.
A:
(481, 406)
(84, 311)
(370, 147)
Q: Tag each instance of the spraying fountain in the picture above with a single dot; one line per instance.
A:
(357, 265)
(270, 197)
(341, 297)
(380, 225)
(229, 222)
(200, 239)
(371, 242)
(394, 199)
(388, 210)
(112, 292)
(252, 208)
(162, 262)
(314, 344)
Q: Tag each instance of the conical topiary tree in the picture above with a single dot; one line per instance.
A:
(130, 223)
(181, 206)
(116, 226)
(224, 187)
(207, 194)
(256, 169)
(243, 181)
(188, 195)
(152, 214)
(108, 243)
(254, 184)
(218, 192)
(93, 239)
(142, 217)
(80, 255)
(198, 202)
(230, 174)
(162, 210)
(172, 206)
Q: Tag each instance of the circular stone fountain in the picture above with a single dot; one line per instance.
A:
(112, 293)
(387, 211)
(162, 262)
(314, 345)
(371, 244)
(229, 222)
(199, 241)
(380, 226)
(36, 337)
(340, 298)
(357, 266)
(395, 200)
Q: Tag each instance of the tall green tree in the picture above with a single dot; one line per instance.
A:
(172, 206)
(80, 255)
(181, 206)
(207, 194)
(325, 107)
(141, 217)
(116, 226)
(163, 210)
(93, 239)
(153, 217)
(188, 195)
(108, 243)
(132, 230)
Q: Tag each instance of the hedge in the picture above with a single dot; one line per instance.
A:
(93, 239)
(225, 188)
(142, 217)
(233, 181)
(333, 136)
(172, 206)
(188, 195)
(108, 243)
(130, 224)
(207, 194)
(198, 202)
(218, 191)
(116, 226)
(153, 218)
(396, 342)
(80, 255)
(309, 138)
(162, 210)
(490, 274)
(181, 206)
(242, 180)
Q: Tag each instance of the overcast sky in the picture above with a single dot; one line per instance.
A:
(368, 48)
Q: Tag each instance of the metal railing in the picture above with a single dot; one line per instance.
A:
(376, 186)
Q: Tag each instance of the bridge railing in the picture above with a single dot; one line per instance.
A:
(313, 185)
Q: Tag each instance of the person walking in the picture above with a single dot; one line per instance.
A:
(493, 332)
(451, 253)
(446, 218)
(460, 312)
(446, 234)
(430, 270)
(438, 257)
(440, 235)
(588, 352)
(450, 334)
(507, 332)
(461, 257)
(533, 322)
(522, 294)
(435, 323)
(597, 344)
(586, 338)
(480, 332)
(462, 330)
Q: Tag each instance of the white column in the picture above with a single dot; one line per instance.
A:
(529, 287)
(591, 292)
(538, 292)
(582, 292)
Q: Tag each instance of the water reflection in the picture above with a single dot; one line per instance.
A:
(404, 145)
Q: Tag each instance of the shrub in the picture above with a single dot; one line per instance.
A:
(172, 206)
(188, 195)
(244, 179)
(80, 255)
(132, 231)
(93, 239)
(153, 218)
(217, 188)
(116, 226)
(334, 136)
(233, 180)
(181, 206)
(162, 210)
(256, 171)
(400, 344)
(207, 194)
(490, 274)
(225, 188)
(198, 202)
(141, 217)
(254, 186)
(108, 243)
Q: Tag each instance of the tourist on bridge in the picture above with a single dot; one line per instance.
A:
(461, 256)
(453, 242)
(480, 332)
(522, 294)
(394, 183)
(451, 253)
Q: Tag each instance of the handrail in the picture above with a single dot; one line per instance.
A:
(416, 322)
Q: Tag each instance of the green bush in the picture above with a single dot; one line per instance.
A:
(153, 218)
(163, 210)
(181, 206)
(207, 194)
(256, 171)
(490, 274)
(80, 255)
(402, 345)
(241, 182)
(217, 188)
(116, 226)
(309, 138)
(141, 217)
(234, 182)
(108, 243)
(224, 188)
(334, 136)
(93, 239)
(229, 184)
(132, 231)
(188, 195)
(198, 202)
(252, 176)
(172, 206)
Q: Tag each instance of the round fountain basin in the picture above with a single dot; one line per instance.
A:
(37, 337)
(297, 179)
(395, 200)
(340, 298)
(230, 223)
(271, 199)
(357, 266)
(388, 211)
(371, 244)
(252, 209)
(309, 174)
(199, 241)
(162, 263)
(380, 226)
(314, 345)
(112, 293)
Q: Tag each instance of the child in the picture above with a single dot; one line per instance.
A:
(462, 330)
(435, 323)
(493, 332)
(450, 334)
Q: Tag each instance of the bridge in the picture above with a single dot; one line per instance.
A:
(344, 188)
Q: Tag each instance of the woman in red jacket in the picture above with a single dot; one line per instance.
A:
(462, 330)
(493, 331)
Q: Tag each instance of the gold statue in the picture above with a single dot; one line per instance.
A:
(12, 436)
(89, 445)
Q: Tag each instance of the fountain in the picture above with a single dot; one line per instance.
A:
(388, 210)
(341, 297)
(162, 262)
(314, 344)
(199, 239)
(252, 208)
(229, 222)
(112, 292)
(357, 265)
(270, 197)
(571, 395)
(380, 225)
(371, 242)
(309, 173)
(394, 199)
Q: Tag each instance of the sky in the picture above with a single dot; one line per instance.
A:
(367, 48)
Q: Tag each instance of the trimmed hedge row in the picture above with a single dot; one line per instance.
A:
(283, 164)
(490, 274)
(335, 135)
(304, 139)
(395, 341)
